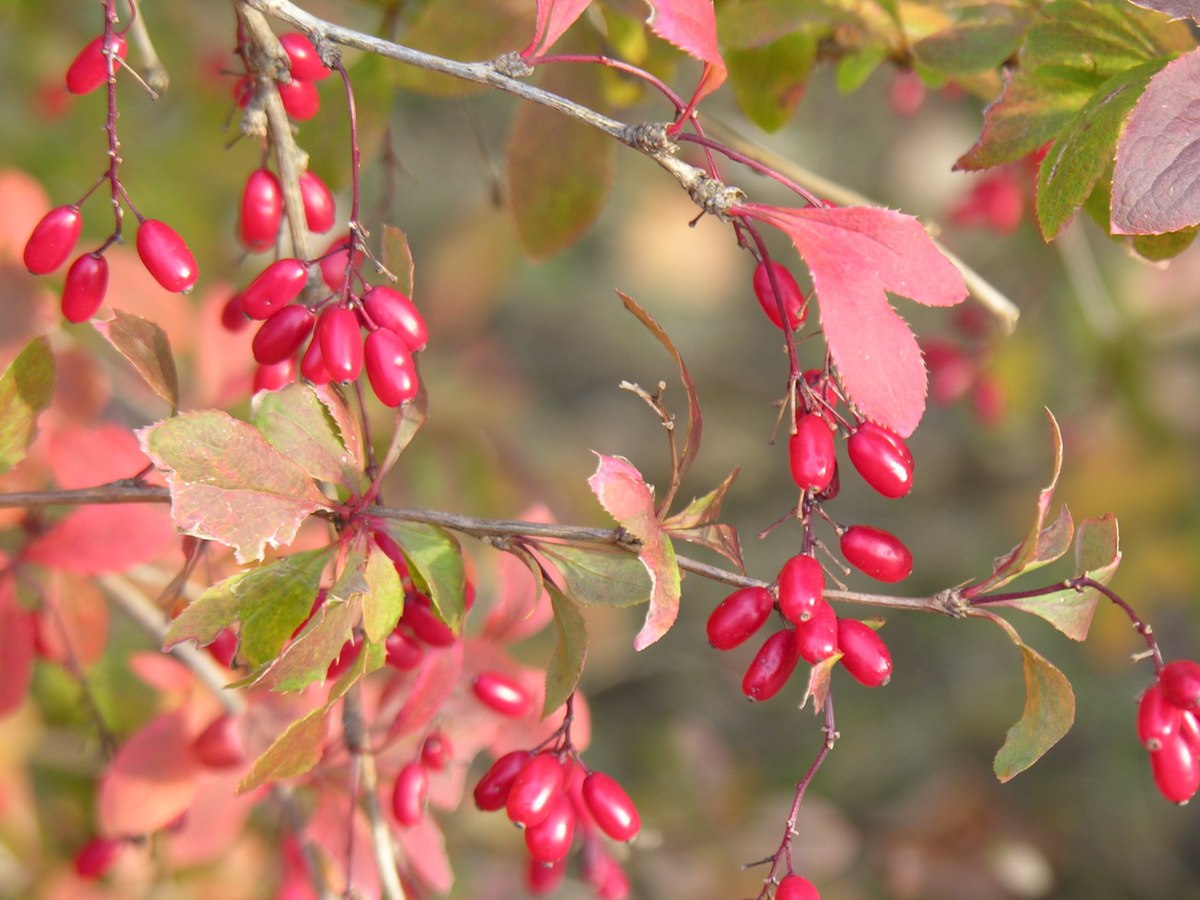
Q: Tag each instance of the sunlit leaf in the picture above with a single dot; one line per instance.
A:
(299, 424)
(570, 651)
(26, 388)
(383, 601)
(769, 81)
(435, 558)
(293, 753)
(974, 44)
(306, 658)
(144, 344)
(599, 576)
(553, 18)
(691, 25)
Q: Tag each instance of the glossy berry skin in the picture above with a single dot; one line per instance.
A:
(877, 553)
(611, 807)
(262, 210)
(544, 878)
(1176, 769)
(274, 288)
(300, 99)
(772, 666)
(312, 364)
(89, 70)
(335, 260)
(502, 694)
(1180, 680)
(166, 256)
(795, 887)
(52, 239)
(404, 652)
(550, 839)
(84, 289)
(97, 856)
(817, 636)
(390, 309)
(341, 343)
(801, 586)
(436, 751)
(233, 317)
(864, 654)
(281, 335)
(409, 794)
(219, 746)
(319, 207)
(272, 378)
(426, 624)
(390, 368)
(1157, 718)
(882, 459)
(739, 616)
(537, 785)
(793, 298)
(303, 60)
(491, 793)
(811, 453)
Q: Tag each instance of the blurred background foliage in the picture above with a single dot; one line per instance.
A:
(523, 369)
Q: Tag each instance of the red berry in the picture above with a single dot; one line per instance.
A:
(794, 302)
(224, 647)
(390, 309)
(272, 378)
(534, 789)
(772, 666)
(436, 751)
(877, 553)
(404, 652)
(243, 91)
(219, 746)
(882, 459)
(83, 291)
(817, 636)
(275, 287)
(389, 367)
(1176, 769)
(801, 586)
(281, 335)
(611, 807)
(811, 453)
(303, 59)
(1181, 683)
(97, 856)
(90, 68)
(262, 210)
(52, 239)
(502, 694)
(336, 260)
(1189, 727)
(233, 317)
(341, 343)
(738, 616)
(550, 839)
(346, 657)
(427, 624)
(166, 256)
(394, 552)
(300, 99)
(1157, 718)
(312, 364)
(603, 873)
(319, 208)
(491, 793)
(794, 887)
(409, 793)
(544, 878)
(864, 654)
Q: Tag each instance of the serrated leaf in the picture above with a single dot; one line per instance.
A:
(306, 658)
(855, 254)
(397, 257)
(691, 25)
(228, 484)
(435, 557)
(702, 510)
(1176, 9)
(554, 17)
(300, 425)
(26, 388)
(293, 753)
(599, 576)
(570, 651)
(383, 602)
(144, 344)
(769, 81)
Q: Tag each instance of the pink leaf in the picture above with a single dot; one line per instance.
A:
(436, 679)
(691, 25)
(554, 17)
(73, 626)
(628, 499)
(16, 648)
(84, 457)
(424, 848)
(98, 539)
(213, 823)
(855, 255)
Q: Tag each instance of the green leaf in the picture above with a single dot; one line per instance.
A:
(570, 650)
(702, 510)
(144, 344)
(746, 24)
(300, 425)
(978, 43)
(397, 257)
(26, 388)
(228, 484)
(383, 602)
(769, 81)
(599, 576)
(1160, 247)
(434, 556)
(854, 70)
(408, 423)
(293, 753)
(306, 658)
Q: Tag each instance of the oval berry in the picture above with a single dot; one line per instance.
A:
(409, 794)
(436, 751)
(84, 289)
(1181, 683)
(274, 288)
(341, 343)
(346, 657)
(219, 746)
(404, 652)
(52, 239)
(534, 789)
(335, 260)
(272, 378)
(233, 317)
(1157, 718)
(243, 91)
(796, 887)
(390, 368)
(1189, 727)
(550, 839)
(262, 210)
(877, 553)
(89, 69)
(794, 303)
(303, 60)
(864, 654)
(611, 807)
(97, 856)
(491, 793)
(882, 459)
(817, 636)
(393, 310)
(801, 586)
(1176, 769)
(811, 453)
(772, 666)
(300, 99)
(426, 624)
(312, 364)
(166, 256)
(502, 694)
(544, 878)
(738, 616)
(319, 207)
(281, 335)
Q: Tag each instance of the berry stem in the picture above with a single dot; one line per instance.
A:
(110, 124)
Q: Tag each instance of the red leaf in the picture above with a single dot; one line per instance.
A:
(424, 848)
(74, 622)
(213, 823)
(152, 779)
(85, 457)
(553, 18)
(854, 255)
(691, 25)
(98, 539)
(436, 679)
(16, 648)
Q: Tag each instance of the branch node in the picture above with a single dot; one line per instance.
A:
(715, 197)
(650, 137)
(512, 65)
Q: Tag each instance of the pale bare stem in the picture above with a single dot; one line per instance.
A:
(153, 74)
(654, 401)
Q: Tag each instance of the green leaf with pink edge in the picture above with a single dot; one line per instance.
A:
(628, 499)
(383, 600)
(570, 650)
(300, 424)
(599, 576)
(144, 344)
(306, 658)
(398, 258)
(855, 254)
(435, 561)
(691, 25)
(26, 388)
(228, 484)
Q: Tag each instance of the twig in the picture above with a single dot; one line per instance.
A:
(153, 73)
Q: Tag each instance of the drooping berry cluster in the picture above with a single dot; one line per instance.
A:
(298, 90)
(1168, 724)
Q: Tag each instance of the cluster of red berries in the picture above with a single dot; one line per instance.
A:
(1168, 723)
(552, 796)
(299, 93)
(262, 208)
(412, 783)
